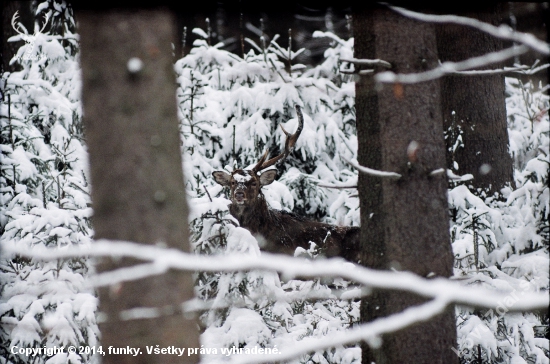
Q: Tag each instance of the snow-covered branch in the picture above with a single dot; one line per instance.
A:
(510, 71)
(502, 32)
(451, 176)
(456, 178)
(165, 259)
(367, 62)
(447, 68)
(498, 71)
(369, 332)
(534, 69)
(342, 187)
(373, 172)
(355, 72)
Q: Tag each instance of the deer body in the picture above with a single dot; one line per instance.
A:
(282, 231)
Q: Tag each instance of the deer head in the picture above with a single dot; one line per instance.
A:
(28, 38)
(246, 184)
(19, 28)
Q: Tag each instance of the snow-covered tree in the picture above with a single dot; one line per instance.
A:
(503, 244)
(230, 110)
(45, 198)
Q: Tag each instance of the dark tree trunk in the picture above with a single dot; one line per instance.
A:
(404, 223)
(476, 105)
(137, 182)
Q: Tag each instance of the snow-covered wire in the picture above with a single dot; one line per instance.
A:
(164, 259)
(502, 32)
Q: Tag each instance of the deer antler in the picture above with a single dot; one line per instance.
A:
(17, 26)
(289, 144)
(47, 17)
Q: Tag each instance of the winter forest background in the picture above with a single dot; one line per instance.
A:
(233, 93)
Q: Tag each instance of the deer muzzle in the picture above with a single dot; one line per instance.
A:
(239, 197)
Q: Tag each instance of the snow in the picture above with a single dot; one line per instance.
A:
(242, 328)
(45, 303)
(22, 160)
(230, 110)
(239, 178)
(134, 65)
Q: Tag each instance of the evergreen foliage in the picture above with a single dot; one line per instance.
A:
(230, 110)
(45, 198)
(501, 242)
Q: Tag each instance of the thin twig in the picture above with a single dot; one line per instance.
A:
(276, 70)
(208, 193)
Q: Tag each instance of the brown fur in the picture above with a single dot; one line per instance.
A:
(282, 231)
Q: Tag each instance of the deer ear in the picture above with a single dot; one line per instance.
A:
(268, 177)
(222, 178)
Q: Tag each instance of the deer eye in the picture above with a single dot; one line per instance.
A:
(233, 183)
(253, 184)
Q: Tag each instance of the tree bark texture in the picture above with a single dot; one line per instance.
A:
(404, 223)
(136, 170)
(476, 105)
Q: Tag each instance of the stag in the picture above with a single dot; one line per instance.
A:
(28, 38)
(282, 231)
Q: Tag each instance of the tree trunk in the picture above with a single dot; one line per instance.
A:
(476, 105)
(136, 170)
(404, 223)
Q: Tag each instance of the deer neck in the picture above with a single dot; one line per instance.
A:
(251, 216)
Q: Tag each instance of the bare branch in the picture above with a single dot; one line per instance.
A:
(373, 172)
(276, 70)
(208, 193)
(502, 32)
(450, 67)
